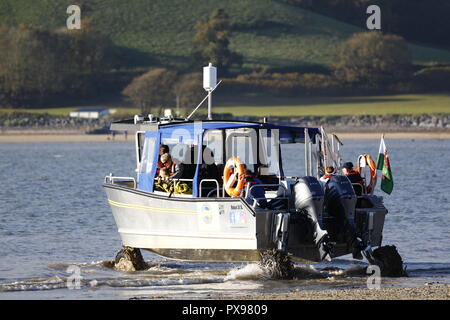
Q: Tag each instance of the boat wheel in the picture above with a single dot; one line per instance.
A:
(129, 259)
(277, 263)
(390, 261)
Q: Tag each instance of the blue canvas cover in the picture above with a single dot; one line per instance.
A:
(192, 133)
(195, 128)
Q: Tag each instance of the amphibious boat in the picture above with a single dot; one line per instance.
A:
(219, 217)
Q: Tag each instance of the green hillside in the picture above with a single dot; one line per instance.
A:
(267, 33)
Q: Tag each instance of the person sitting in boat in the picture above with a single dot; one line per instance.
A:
(162, 150)
(256, 193)
(354, 176)
(163, 180)
(329, 172)
(176, 169)
(208, 168)
(166, 184)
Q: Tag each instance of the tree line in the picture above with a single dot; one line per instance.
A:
(40, 67)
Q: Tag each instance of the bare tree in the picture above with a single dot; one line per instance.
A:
(188, 91)
(152, 89)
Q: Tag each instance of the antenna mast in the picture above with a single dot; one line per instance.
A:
(209, 84)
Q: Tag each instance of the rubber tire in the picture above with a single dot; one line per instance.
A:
(390, 261)
(278, 263)
(131, 254)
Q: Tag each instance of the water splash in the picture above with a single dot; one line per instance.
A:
(251, 271)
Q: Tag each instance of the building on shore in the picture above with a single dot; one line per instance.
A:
(90, 113)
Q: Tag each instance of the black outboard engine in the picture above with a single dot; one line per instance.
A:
(308, 197)
(340, 203)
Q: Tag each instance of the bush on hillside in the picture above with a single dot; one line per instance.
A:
(153, 89)
(211, 43)
(189, 92)
(374, 60)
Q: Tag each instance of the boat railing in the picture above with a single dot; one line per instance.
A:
(209, 180)
(266, 185)
(359, 186)
(255, 200)
(124, 180)
(183, 180)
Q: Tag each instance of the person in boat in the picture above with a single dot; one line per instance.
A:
(329, 172)
(176, 169)
(208, 168)
(256, 193)
(163, 180)
(354, 176)
(162, 150)
(166, 184)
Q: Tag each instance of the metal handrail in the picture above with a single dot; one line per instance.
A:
(265, 185)
(210, 180)
(363, 188)
(111, 178)
(255, 201)
(187, 180)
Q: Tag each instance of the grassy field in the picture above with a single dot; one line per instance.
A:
(330, 106)
(267, 33)
(264, 105)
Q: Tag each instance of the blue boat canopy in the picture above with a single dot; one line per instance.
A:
(287, 133)
(192, 133)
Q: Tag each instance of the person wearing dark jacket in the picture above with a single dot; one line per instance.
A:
(256, 193)
(353, 176)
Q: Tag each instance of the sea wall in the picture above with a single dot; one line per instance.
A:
(363, 123)
(368, 123)
(45, 122)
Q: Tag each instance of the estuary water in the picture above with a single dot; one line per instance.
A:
(55, 222)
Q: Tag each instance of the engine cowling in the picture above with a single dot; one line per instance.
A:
(340, 203)
(340, 197)
(308, 198)
(308, 195)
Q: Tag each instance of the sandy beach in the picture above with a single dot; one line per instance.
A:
(15, 137)
(62, 137)
(426, 292)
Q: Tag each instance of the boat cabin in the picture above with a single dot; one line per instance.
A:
(201, 150)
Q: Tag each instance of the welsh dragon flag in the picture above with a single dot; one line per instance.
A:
(387, 181)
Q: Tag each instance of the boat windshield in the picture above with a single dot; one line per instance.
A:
(145, 165)
(257, 149)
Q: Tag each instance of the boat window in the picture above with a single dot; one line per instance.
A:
(242, 143)
(213, 140)
(140, 147)
(182, 153)
(293, 159)
(148, 153)
(269, 153)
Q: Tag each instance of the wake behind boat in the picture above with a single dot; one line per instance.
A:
(216, 191)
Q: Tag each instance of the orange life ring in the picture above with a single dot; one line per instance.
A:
(366, 160)
(232, 168)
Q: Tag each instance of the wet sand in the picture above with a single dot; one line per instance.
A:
(14, 137)
(426, 292)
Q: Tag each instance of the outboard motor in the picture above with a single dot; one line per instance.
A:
(308, 197)
(340, 203)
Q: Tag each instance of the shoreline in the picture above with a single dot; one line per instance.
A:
(425, 292)
(35, 137)
(62, 137)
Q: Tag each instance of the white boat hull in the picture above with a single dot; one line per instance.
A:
(149, 221)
